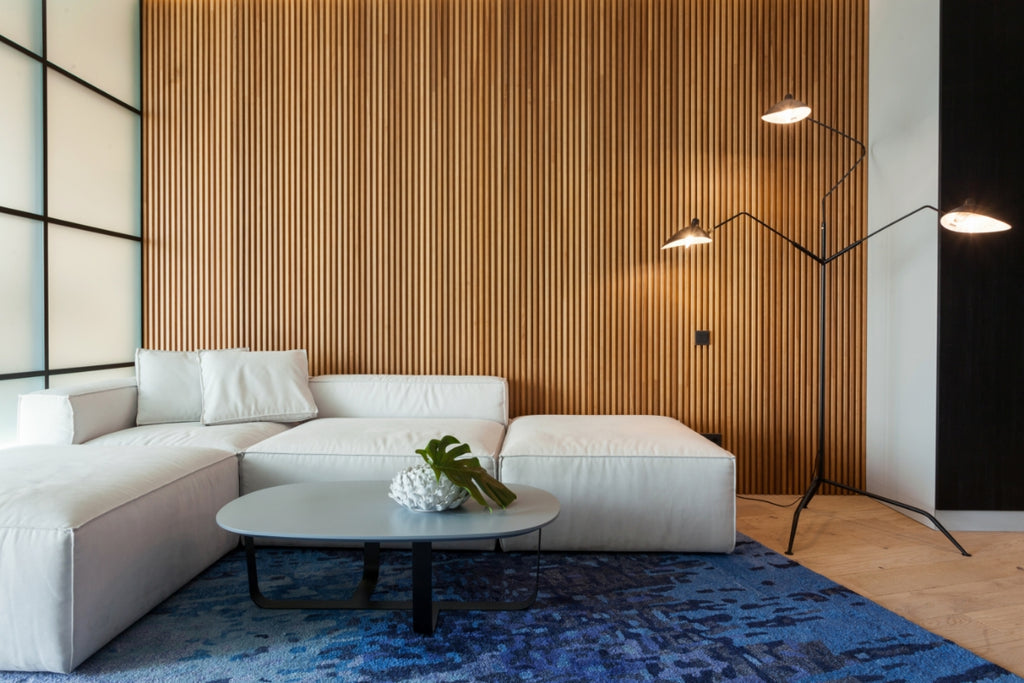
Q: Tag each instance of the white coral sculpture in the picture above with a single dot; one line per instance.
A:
(447, 480)
(419, 489)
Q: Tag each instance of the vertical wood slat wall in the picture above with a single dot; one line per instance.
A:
(483, 187)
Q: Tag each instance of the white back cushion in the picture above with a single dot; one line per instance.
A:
(169, 386)
(248, 386)
(463, 396)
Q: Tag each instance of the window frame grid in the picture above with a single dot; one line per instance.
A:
(46, 220)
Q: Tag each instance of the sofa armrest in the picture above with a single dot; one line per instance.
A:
(77, 414)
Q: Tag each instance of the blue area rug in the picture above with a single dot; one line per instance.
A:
(752, 615)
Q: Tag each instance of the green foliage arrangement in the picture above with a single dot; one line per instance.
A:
(466, 473)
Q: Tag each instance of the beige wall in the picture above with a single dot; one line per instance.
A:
(483, 187)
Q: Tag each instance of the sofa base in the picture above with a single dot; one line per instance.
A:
(79, 564)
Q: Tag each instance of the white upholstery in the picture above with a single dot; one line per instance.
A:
(255, 386)
(92, 538)
(463, 396)
(169, 386)
(233, 438)
(76, 414)
(334, 449)
(625, 482)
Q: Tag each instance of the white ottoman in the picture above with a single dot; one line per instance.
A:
(625, 483)
(93, 537)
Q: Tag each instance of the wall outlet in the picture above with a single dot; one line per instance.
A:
(702, 337)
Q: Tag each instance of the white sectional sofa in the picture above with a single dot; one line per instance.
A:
(142, 465)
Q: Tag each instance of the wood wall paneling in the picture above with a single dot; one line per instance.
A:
(459, 186)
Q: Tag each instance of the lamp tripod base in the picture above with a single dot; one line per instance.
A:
(818, 481)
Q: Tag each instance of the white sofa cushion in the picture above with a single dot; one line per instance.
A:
(605, 436)
(233, 438)
(81, 562)
(77, 414)
(459, 396)
(170, 389)
(625, 483)
(329, 449)
(249, 386)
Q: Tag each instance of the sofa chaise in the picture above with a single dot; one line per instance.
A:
(92, 538)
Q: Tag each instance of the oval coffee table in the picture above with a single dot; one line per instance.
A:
(361, 512)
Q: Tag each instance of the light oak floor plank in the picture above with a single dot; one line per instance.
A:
(977, 602)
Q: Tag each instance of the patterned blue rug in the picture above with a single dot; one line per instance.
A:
(749, 616)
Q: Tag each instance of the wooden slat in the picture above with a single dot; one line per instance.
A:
(460, 186)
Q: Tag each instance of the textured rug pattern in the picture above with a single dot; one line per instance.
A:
(752, 615)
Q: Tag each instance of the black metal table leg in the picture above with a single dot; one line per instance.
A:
(360, 596)
(424, 608)
(371, 572)
(424, 615)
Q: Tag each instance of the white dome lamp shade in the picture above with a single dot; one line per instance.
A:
(966, 218)
(688, 236)
(787, 110)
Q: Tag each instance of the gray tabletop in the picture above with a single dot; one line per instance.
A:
(362, 511)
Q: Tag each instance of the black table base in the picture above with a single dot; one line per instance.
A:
(424, 608)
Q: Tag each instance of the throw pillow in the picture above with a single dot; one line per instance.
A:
(251, 386)
(168, 385)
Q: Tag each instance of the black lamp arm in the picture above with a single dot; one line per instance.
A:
(865, 238)
(796, 245)
(863, 153)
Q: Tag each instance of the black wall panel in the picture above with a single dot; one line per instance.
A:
(980, 439)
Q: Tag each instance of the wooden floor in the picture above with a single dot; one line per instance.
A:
(977, 601)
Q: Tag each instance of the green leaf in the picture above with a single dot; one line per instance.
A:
(436, 453)
(466, 473)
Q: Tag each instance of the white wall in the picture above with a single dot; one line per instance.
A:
(902, 319)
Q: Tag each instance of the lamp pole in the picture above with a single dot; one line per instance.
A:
(962, 219)
(822, 260)
(819, 476)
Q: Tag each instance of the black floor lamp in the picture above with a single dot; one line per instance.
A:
(962, 219)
